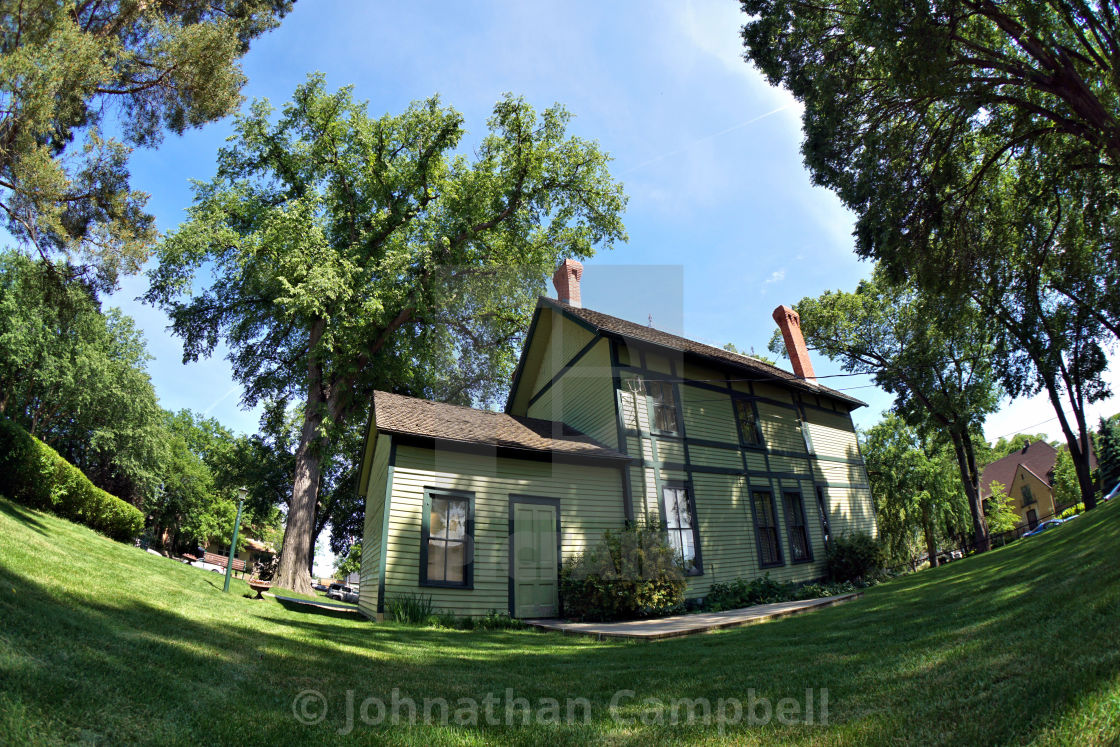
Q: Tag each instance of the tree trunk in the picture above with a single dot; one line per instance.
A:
(966, 461)
(298, 541)
(1078, 447)
(299, 531)
(930, 534)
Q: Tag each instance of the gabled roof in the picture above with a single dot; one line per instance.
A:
(1037, 457)
(612, 325)
(398, 414)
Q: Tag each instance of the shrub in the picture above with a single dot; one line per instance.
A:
(410, 608)
(742, 593)
(1072, 511)
(855, 557)
(34, 474)
(447, 619)
(631, 573)
(739, 593)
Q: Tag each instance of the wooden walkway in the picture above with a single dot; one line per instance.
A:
(325, 605)
(679, 625)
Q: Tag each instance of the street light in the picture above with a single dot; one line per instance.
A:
(241, 493)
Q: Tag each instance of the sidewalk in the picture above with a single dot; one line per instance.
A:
(678, 625)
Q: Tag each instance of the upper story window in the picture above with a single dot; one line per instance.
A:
(766, 529)
(446, 541)
(681, 527)
(1028, 496)
(749, 430)
(664, 404)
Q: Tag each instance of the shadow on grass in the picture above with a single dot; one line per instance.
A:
(309, 607)
(24, 516)
(991, 649)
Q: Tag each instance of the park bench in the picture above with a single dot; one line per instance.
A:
(220, 560)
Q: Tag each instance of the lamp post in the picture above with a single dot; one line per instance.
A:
(241, 493)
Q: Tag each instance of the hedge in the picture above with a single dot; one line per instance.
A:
(34, 474)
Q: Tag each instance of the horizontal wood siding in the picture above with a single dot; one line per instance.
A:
(370, 573)
(590, 503)
(583, 396)
(566, 338)
(708, 415)
(671, 452)
(850, 510)
(832, 434)
(773, 391)
(789, 465)
(726, 532)
(707, 456)
(781, 428)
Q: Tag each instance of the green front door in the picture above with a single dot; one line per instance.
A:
(534, 549)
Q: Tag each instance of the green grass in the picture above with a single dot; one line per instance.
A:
(103, 643)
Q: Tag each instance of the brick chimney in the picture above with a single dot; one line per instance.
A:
(566, 279)
(790, 324)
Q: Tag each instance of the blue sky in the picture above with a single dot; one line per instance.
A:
(723, 219)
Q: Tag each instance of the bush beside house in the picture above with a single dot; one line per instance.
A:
(631, 573)
(854, 557)
(35, 475)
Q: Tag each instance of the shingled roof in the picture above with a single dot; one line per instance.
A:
(620, 327)
(398, 414)
(1037, 457)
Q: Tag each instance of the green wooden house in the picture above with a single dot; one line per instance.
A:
(749, 467)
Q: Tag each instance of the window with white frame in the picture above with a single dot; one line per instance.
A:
(680, 525)
(446, 541)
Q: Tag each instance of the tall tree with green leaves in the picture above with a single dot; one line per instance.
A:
(933, 358)
(916, 489)
(77, 378)
(341, 253)
(349, 563)
(977, 143)
(64, 66)
(1108, 448)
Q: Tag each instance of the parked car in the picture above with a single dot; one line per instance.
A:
(341, 593)
(319, 587)
(1048, 524)
(1112, 493)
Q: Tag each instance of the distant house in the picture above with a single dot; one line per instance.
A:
(1027, 476)
(253, 550)
(748, 468)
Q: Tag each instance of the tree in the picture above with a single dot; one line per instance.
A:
(1108, 448)
(200, 479)
(76, 378)
(350, 253)
(1000, 509)
(1067, 491)
(1006, 446)
(350, 563)
(935, 359)
(916, 489)
(267, 461)
(730, 347)
(911, 107)
(162, 66)
(977, 144)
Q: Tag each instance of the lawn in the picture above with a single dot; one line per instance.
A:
(101, 642)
